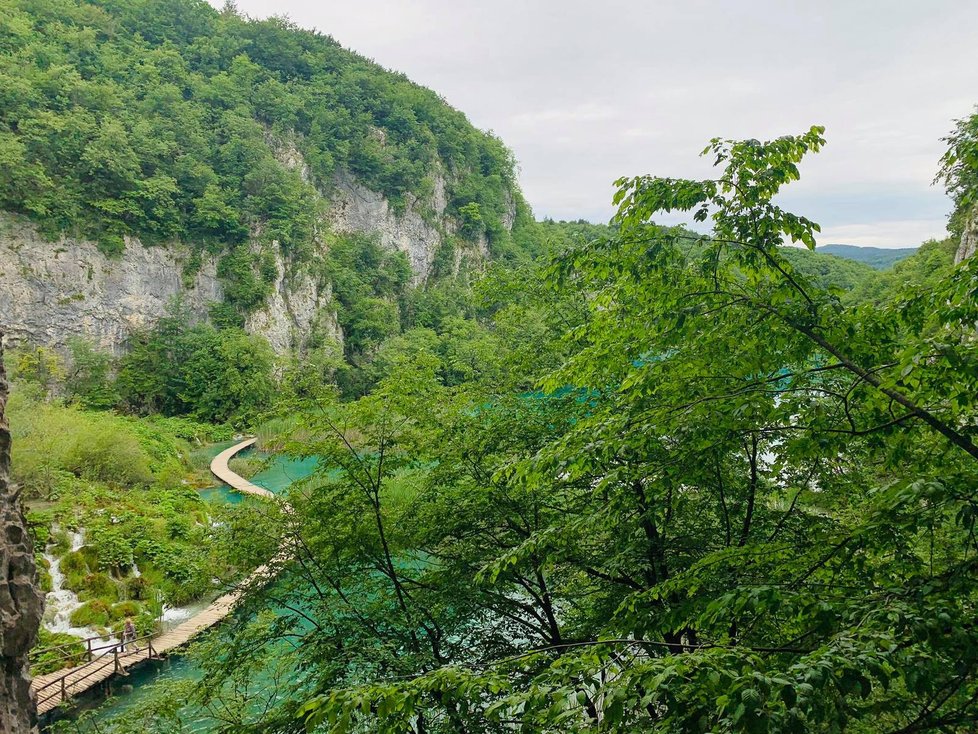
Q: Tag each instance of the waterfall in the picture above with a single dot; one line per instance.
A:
(60, 602)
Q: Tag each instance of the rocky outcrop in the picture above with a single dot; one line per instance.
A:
(53, 291)
(359, 209)
(969, 238)
(21, 601)
(297, 306)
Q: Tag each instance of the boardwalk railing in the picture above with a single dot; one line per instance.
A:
(69, 651)
(56, 690)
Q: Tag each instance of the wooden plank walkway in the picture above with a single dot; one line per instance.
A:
(54, 688)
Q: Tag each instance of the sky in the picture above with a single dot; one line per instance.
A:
(587, 92)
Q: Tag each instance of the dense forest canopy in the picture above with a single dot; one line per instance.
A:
(167, 119)
(655, 482)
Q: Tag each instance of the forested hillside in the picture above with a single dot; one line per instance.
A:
(169, 120)
(878, 257)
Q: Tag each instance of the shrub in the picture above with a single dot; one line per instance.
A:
(94, 613)
(70, 651)
(60, 542)
(113, 550)
(90, 382)
(39, 526)
(109, 455)
(74, 562)
(137, 587)
(124, 609)
(99, 586)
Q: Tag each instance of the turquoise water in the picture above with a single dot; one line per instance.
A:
(130, 692)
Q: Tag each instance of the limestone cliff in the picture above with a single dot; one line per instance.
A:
(419, 231)
(21, 601)
(969, 238)
(53, 291)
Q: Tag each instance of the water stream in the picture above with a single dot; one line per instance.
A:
(60, 603)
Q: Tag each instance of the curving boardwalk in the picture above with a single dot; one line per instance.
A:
(219, 467)
(53, 689)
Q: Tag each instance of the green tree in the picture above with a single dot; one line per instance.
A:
(747, 525)
(89, 380)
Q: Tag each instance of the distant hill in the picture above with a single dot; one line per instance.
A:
(879, 258)
(830, 270)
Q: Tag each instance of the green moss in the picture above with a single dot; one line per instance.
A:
(99, 586)
(44, 573)
(74, 562)
(94, 613)
(124, 609)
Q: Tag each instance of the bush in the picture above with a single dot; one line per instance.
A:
(60, 542)
(137, 588)
(111, 456)
(125, 609)
(99, 586)
(94, 613)
(74, 562)
(112, 548)
(70, 651)
(89, 382)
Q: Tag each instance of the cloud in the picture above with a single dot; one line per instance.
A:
(582, 113)
(891, 233)
(586, 92)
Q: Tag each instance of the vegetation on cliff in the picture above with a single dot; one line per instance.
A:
(167, 119)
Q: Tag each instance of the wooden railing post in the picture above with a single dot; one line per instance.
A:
(88, 644)
(115, 653)
(64, 695)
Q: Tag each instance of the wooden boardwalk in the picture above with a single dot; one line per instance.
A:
(53, 689)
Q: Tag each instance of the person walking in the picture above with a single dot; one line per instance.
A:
(129, 635)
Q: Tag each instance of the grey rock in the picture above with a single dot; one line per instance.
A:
(297, 305)
(53, 291)
(355, 208)
(969, 238)
(21, 600)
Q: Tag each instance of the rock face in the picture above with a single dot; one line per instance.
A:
(53, 291)
(297, 306)
(418, 231)
(969, 238)
(21, 602)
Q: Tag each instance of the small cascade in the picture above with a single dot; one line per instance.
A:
(59, 603)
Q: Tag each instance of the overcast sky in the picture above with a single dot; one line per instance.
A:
(585, 92)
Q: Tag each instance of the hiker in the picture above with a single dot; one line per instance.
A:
(129, 635)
